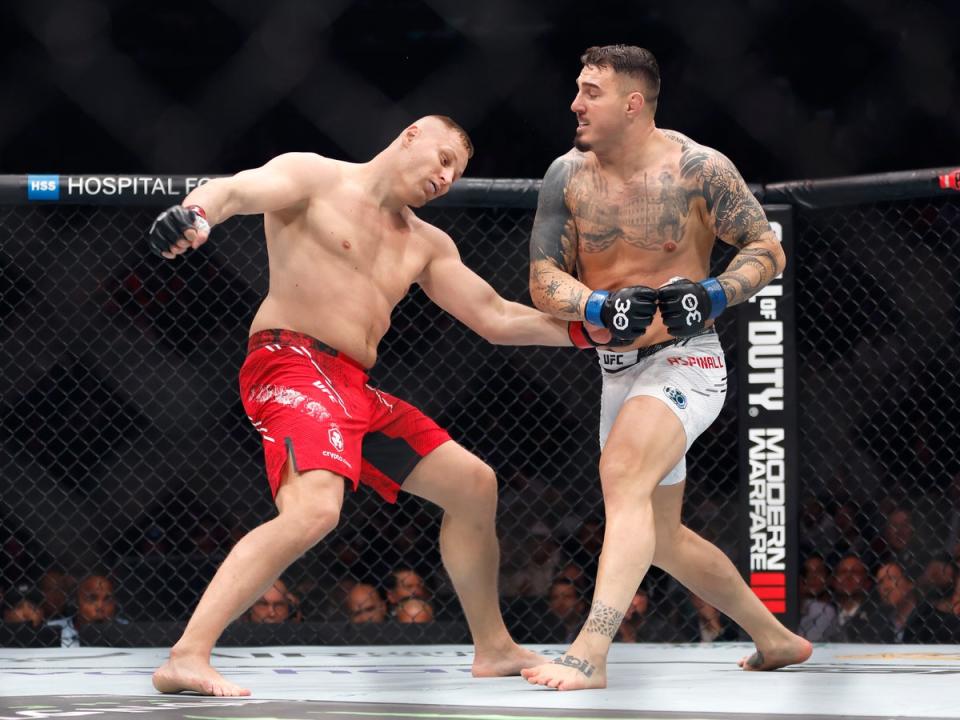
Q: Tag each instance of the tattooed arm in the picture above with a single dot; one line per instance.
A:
(739, 220)
(553, 249)
(735, 216)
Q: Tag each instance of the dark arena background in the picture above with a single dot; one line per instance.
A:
(126, 453)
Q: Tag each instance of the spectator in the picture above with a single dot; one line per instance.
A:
(858, 617)
(365, 605)
(413, 610)
(566, 604)
(95, 604)
(938, 580)
(404, 582)
(817, 613)
(276, 605)
(534, 578)
(641, 624)
(57, 588)
(934, 620)
(896, 542)
(23, 605)
(899, 597)
(712, 625)
(409, 536)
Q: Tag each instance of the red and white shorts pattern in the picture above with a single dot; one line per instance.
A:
(314, 405)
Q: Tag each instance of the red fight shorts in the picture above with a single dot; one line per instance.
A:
(313, 404)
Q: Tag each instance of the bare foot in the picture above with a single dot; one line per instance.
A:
(505, 662)
(196, 674)
(788, 652)
(567, 672)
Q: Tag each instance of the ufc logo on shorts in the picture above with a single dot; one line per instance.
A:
(690, 304)
(620, 320)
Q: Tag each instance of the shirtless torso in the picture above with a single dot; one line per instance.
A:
(339, 264)
(657, 223)
(344, 247)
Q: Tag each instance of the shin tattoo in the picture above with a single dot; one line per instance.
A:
(604, 620)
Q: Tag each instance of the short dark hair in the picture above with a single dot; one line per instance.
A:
(637, 62)
(392, 579)
(453, 125)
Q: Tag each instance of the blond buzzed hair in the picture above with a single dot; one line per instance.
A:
(453, 125)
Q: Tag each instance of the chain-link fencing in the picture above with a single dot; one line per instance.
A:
(127, 453)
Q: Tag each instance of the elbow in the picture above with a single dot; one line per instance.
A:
(494, 334)
(495, 328)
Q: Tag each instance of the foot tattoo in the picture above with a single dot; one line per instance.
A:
(755, 660)
(576, 663)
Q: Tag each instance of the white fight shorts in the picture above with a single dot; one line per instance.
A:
(689, 376)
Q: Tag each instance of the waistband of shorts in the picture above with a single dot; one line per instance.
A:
(646, 352)
(291, 338)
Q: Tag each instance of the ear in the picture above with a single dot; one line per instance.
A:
(410, 134)
(635, 103)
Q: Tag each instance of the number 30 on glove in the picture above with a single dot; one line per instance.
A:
(626, 312)
(685, 306)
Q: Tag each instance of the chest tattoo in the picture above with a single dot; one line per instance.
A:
(648, 212)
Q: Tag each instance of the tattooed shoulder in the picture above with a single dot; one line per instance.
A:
(737, 215)
(677, 137)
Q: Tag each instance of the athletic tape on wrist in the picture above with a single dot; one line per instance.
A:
(201, 221)
(718, 298)
(591, 312)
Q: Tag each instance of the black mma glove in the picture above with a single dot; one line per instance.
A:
(172, 223)
(626, 313)
(686, 305)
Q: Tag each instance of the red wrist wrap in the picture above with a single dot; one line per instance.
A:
(579, 336)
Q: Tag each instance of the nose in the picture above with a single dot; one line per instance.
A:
(577, 104)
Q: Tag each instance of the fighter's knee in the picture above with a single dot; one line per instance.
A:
(613, 469)
(312, 524)
(478, 488)
(622, 479)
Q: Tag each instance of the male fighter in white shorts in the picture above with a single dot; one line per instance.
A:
(622, 238)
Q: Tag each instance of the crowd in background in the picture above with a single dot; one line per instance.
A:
(887, 577)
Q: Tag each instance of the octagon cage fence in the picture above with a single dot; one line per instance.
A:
(126, 451)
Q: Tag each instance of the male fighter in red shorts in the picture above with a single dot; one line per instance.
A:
(344, 248)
